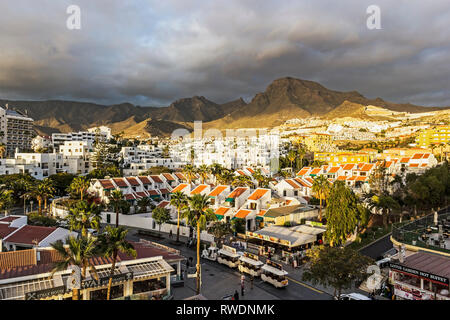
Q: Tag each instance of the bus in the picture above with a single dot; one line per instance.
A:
(274, 274)
(228, 256)
(249, 263)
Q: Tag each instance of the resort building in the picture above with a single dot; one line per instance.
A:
(17, 131)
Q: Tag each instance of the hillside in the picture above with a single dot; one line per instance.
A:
(283, 99)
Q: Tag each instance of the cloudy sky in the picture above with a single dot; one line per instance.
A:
(153, 52)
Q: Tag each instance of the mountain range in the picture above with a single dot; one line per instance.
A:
(283, 99)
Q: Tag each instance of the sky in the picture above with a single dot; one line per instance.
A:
(154, 52)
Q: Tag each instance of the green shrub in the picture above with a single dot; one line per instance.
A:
(35, 219)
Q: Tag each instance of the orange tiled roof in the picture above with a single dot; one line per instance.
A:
(292, 183)
(180, 187)
(334, 169)
(242, 173)
(349, 166)
(361, 178)
(257, 194)
(342, 178)
(221, 211)
(261, 213)
(133, 181)
(309, 179)
(106, 184)
(250, 170)
(120, 182)
(157, 179)
(414, 165)
(199, 189)
(315, 171)
(303, 171)
(180, 176)
(417, 156)
(168, 176)
(367, 167)
(163, 204)
(404, 160)
(352, 178)
(218, 190)
(426, 155)
(144, 180)
(237, 192)
(242, 213)
(303, 182)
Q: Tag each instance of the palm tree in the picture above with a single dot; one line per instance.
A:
(6, 200)
(189, 172)
(203, 171)
(242, 181)
(48, 190)
(179, 200)
(84, 216)
(291, 157)
(79, 185)
(111, 242)
(199, 204)
(226, 177)
(384, 203)
(116, 200)
(39, 192)
(321, 188)
(216, 169)
(77, 252)
(143, 203)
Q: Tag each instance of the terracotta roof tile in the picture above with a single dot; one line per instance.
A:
(258, 194)
(237, 192)
(199, 189)
(106, 184)
(218, 190)
(221, 211)
(145, 180)
(157, 179)
(241, 214)
(180, 187)
(168, 176)
(28, 234)
(120, 182)
(133, 181)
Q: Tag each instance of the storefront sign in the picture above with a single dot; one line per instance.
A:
(41, 294)
(421, 274)
(92, 283)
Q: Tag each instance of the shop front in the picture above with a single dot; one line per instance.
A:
(148, 277)
(421, 277)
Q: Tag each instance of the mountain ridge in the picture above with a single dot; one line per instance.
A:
(283, 99)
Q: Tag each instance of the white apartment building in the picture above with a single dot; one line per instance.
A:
(17, 130)
(59, 139)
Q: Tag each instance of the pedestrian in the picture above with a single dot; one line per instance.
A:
(236, 295)
(251, 283)
(170, 234)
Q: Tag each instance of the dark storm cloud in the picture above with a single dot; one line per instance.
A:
(152, 53)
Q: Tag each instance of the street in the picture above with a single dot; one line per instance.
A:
(219, 280)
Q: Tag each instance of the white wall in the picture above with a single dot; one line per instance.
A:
(144, 221)
(58, 234)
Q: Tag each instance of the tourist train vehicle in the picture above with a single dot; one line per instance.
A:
(210, 253)
(274, 274)
(228, 256)
(250, 264)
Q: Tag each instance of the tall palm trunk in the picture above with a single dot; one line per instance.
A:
(40, 206)
(198, 257)
(117, 217)
(45, 204)
(75, 294)
(320, 208)
(113, 266)
(178, 226)
(81, 194)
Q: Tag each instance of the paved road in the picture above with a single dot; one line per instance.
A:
(220, 280)
(378, 248)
